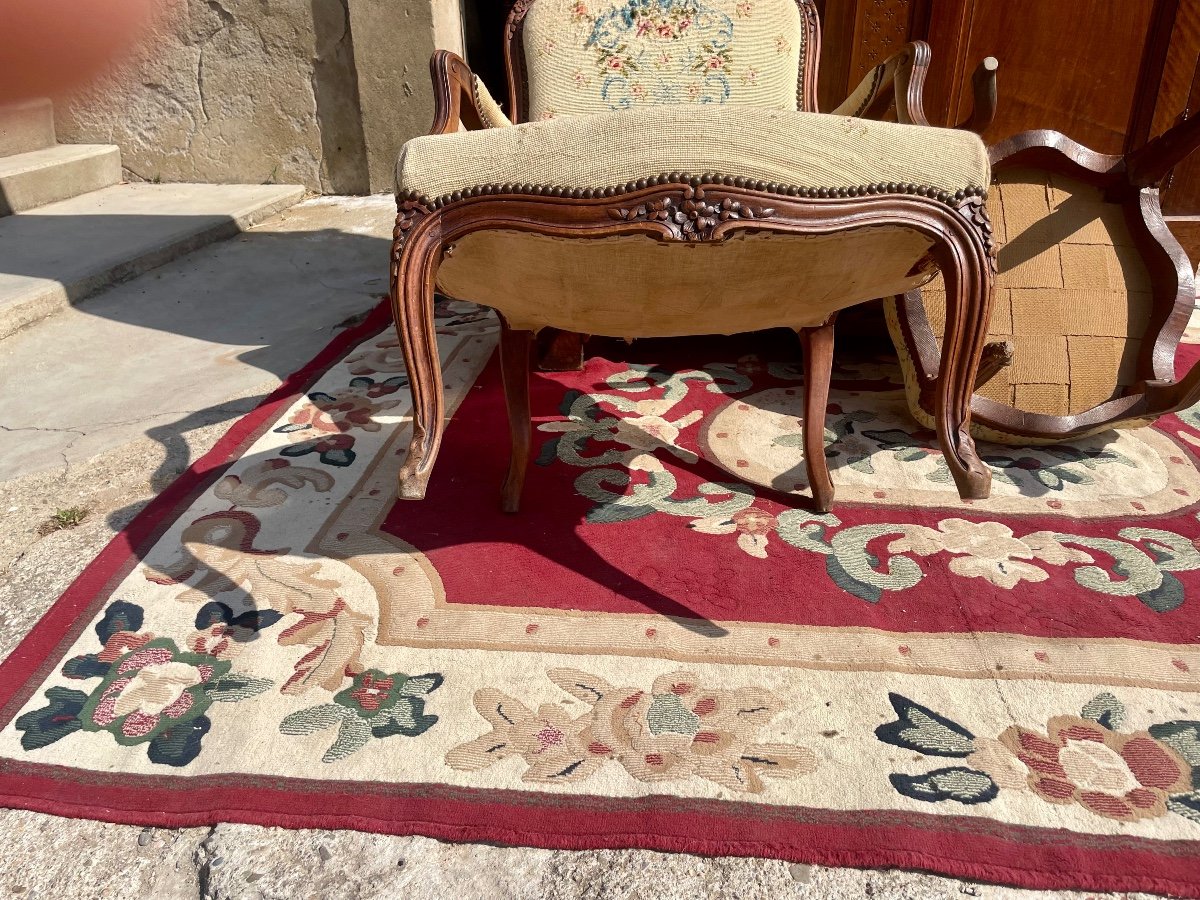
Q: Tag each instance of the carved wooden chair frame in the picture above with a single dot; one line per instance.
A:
(698, 207)
(1132, 183)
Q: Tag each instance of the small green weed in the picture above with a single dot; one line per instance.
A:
(64, 518)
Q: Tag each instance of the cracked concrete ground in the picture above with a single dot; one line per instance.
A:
(103, 406)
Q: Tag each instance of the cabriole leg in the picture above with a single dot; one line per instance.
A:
(515, 355)
(414, 268)
(968, 276)
(818, 369)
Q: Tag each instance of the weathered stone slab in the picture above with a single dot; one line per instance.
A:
(33, 179)
(160, 355)
(61, 253)
(26, 126)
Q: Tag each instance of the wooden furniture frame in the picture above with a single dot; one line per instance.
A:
(1132, 183)
(707, 207)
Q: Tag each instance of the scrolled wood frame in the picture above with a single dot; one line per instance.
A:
(1131, 182)
(425, 228)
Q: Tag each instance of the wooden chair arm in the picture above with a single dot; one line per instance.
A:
(1152, 163)
(905, 72)
(983, 87)
(453, 83)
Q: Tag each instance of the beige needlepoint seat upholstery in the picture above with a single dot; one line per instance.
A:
(670, 288)
(611, 148)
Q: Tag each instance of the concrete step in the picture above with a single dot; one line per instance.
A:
(60, 253)
(26, 126)
(29, 180)
(191, 343)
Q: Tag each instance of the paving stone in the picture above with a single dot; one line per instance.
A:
(157, 355)
(274, 864)
(49, 858)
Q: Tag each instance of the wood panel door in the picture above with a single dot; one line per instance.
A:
(1110, 74)
(1178, 96)
(1069, 65)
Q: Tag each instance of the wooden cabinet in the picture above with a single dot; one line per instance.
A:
(1109, 73)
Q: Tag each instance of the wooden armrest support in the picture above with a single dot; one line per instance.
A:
(996, 356)
(904, 71)
(1150, 164)
(983, 87)
(453, 94)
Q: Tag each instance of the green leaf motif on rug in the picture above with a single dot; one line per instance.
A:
(967, 786)
(42, 727)
(233, 688)
(1106, 710)
(668, 714)
(629, 439)
(151, 692)
(1186, 805)
(1184, 738)
(180, 744)
(376, 704)
(353, 732)
(919, 728)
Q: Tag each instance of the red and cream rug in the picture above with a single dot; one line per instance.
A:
(664, 649)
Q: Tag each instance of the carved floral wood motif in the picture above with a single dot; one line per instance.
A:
(691, 215)
(974, 208)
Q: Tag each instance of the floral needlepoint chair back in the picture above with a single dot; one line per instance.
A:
(589, 56)
(669, 175)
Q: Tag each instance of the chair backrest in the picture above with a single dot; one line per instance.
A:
(575, 57)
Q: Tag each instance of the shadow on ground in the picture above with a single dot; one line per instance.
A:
(163, 353)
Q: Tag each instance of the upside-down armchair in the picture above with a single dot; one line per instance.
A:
(673, 178)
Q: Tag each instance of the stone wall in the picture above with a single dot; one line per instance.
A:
(313, 92)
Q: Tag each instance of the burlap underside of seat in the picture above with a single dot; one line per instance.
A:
(636, 286)
(1072, 295)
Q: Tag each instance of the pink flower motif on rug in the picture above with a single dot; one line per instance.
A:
(321, 424)
(753, 526)
(153, 693)
(1082, 760)
(1118, 776)
(677, 729)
